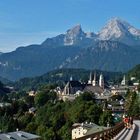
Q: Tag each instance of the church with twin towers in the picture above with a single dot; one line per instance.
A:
(94, 82)
(93, 85)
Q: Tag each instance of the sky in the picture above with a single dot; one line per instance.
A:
(25, 22)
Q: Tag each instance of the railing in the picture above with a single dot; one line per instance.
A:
(104, 135)
(136, 117)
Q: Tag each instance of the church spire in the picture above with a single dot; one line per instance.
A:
(101, 81)
(123, 83)
(94, 80)
(90, 78)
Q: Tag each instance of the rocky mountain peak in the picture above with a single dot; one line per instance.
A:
(119, 30)
(74, 35)
(75, 31)
(115, 28)
(115, 45)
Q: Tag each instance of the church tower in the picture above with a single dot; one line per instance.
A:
(94, 80)
(90, 78)
(123, 83)
(101, 81)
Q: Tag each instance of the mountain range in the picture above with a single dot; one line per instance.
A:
(115, 48)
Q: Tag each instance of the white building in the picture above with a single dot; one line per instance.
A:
(133, 78)
(32, 93)
(82, 129)
(120, 90)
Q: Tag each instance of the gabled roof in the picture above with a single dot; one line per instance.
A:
(33, 109)
(91, 128)
(74, 84)
(93, 89)
(95, 129)
(18, 135)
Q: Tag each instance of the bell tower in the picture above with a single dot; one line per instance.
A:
(94, 80)
(90, 78)
(123, 83)
(101, 81)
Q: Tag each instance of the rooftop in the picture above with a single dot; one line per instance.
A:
(18, 135)
(93, 89)
(91, 127)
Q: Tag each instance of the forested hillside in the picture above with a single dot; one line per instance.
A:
(135, 72)
(63, 75)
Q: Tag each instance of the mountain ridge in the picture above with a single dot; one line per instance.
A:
(115, 29)
(118, 51)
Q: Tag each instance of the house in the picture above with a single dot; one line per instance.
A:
(19, 135)
(120, 90)
(32, 93)
(5, 104)
(133, 78)
(102, 98)
(70, 97)
(83, 129)
(136, 83)
(32, 110)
